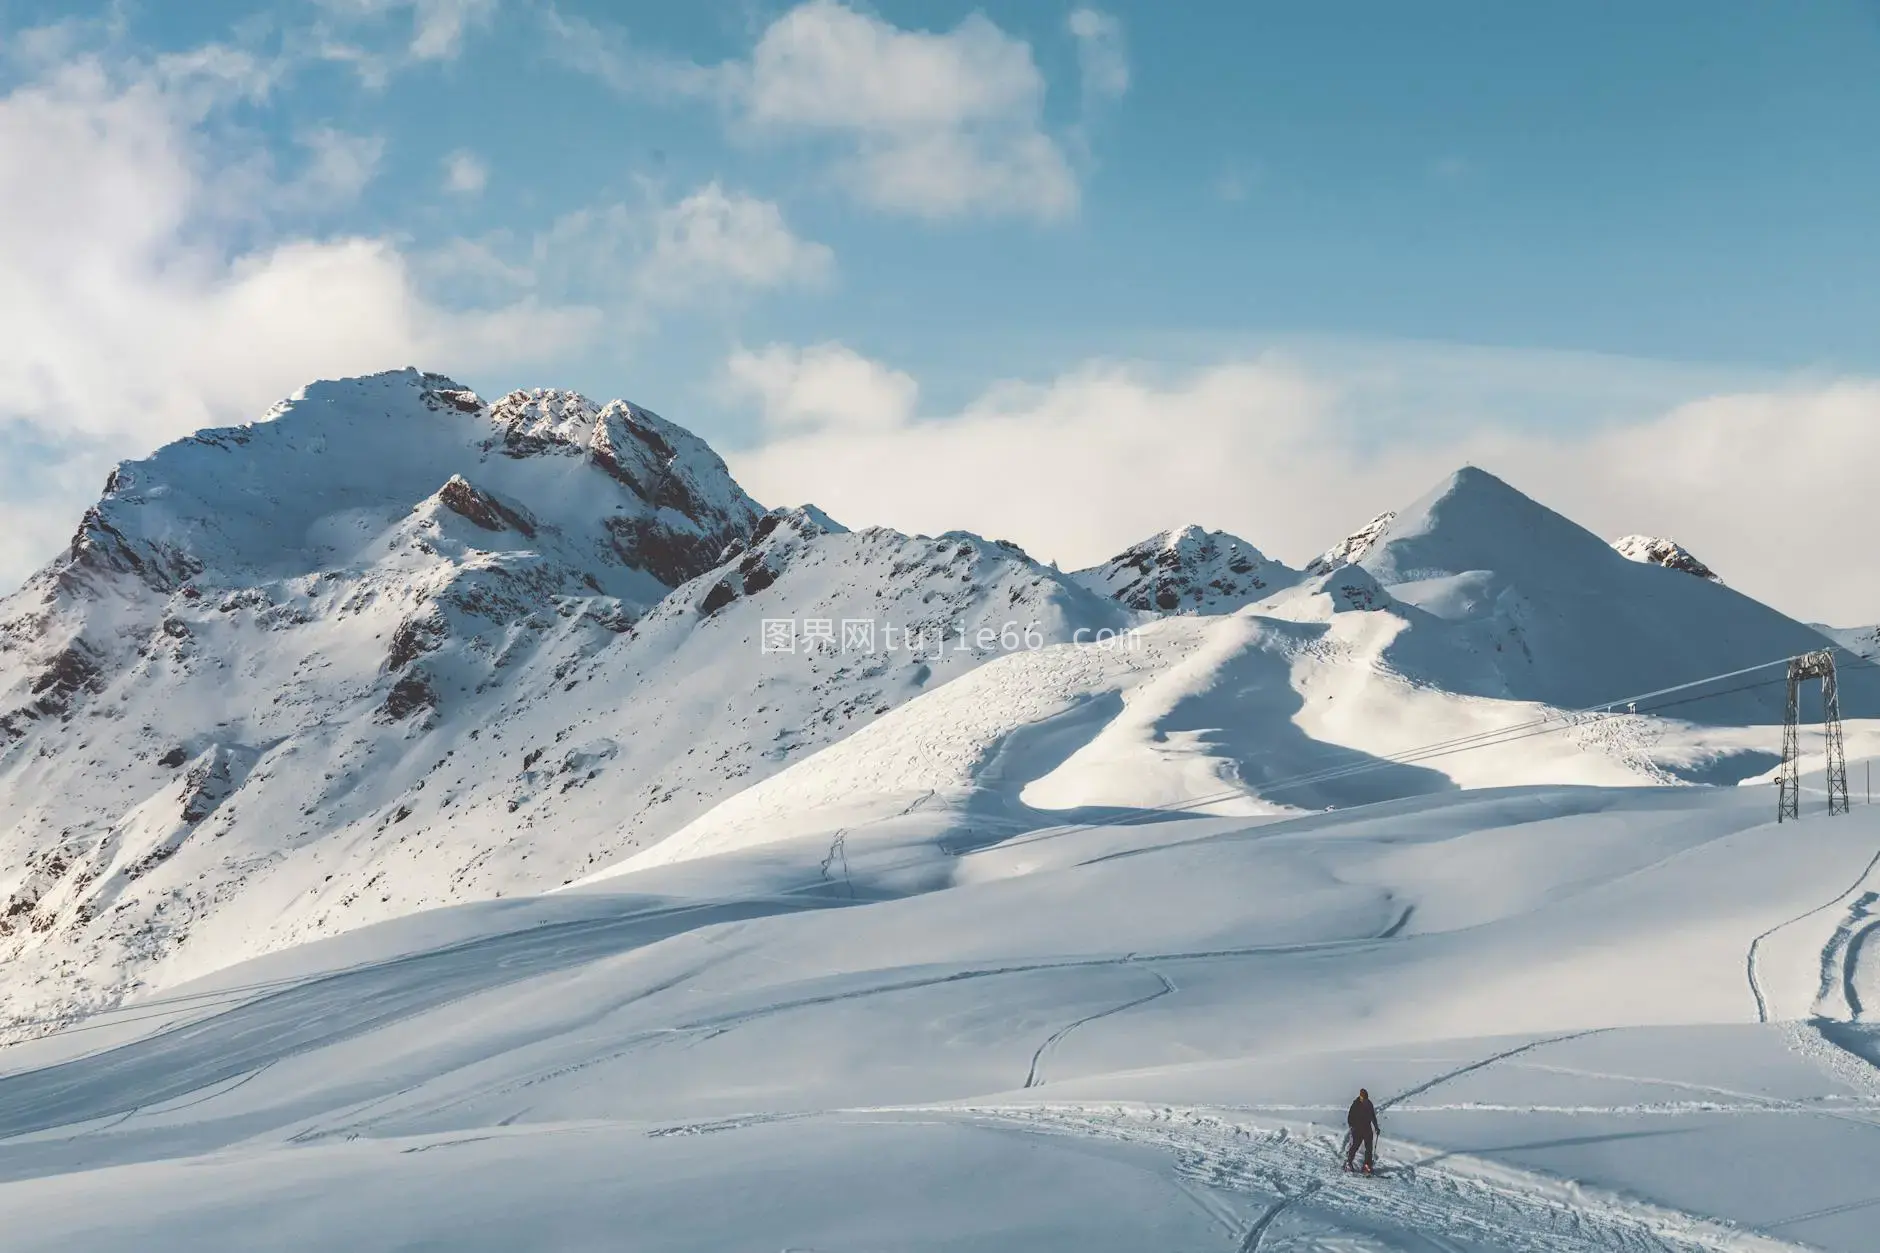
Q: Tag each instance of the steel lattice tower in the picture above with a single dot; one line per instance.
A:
(1815, 665)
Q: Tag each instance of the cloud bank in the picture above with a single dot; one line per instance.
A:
(1769, 487)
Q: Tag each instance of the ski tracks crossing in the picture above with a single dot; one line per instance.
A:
(1442, 1207)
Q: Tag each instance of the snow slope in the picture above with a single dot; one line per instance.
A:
(1861, 641)
(483, 826)
(1594, 1019)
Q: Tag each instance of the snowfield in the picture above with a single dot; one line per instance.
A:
(416, 833)
(1120, 1038)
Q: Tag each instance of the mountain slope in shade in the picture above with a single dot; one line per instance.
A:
(1188, 571)
(1663, 552)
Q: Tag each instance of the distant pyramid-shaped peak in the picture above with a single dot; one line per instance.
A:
(1475, 521)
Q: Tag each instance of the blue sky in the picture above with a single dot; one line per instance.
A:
(837, 239)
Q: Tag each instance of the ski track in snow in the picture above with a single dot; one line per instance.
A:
(1257, 1233)
(1484, 1063)
(1441, 1205)
(1035, 1076)
(1755, 986)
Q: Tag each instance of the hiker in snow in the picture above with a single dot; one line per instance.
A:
(1363, 1123)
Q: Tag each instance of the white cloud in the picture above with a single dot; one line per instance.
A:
(823, 64)
(932, 124)
(1767, 486)
(715, 240)
(133, 314)
(823, 388)
(465, 174)
(709, 247)
(940, 125)
(606, 54)
(438, 27)
(1100, 54)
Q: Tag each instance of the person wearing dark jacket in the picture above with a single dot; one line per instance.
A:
(1362, 1119)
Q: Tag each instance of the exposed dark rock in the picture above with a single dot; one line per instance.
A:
(206, 786)
(672, 557)
(1189, 569)
(411, 693)
(460, 497)
(71, 672)
(412, 639)
(757, 575)
(721, 594)
(1352, 548)
(1653, 550)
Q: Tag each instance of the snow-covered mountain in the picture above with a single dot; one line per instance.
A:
(392, 648)
(1188, 571)
(1668, 553)
(1462, 651)
(1558, 616)
(832, 855)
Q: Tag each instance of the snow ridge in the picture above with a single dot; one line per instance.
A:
(1352, 548)
(1188, 571)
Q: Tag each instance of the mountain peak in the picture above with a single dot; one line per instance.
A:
(1187, 570)
(1473, 520)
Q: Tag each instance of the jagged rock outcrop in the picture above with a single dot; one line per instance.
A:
(1656, 551)
(480, 507)
(1352, 548)
(1188, 571)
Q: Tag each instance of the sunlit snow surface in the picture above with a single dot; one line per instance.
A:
(1121, 1038)
(407, 842)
